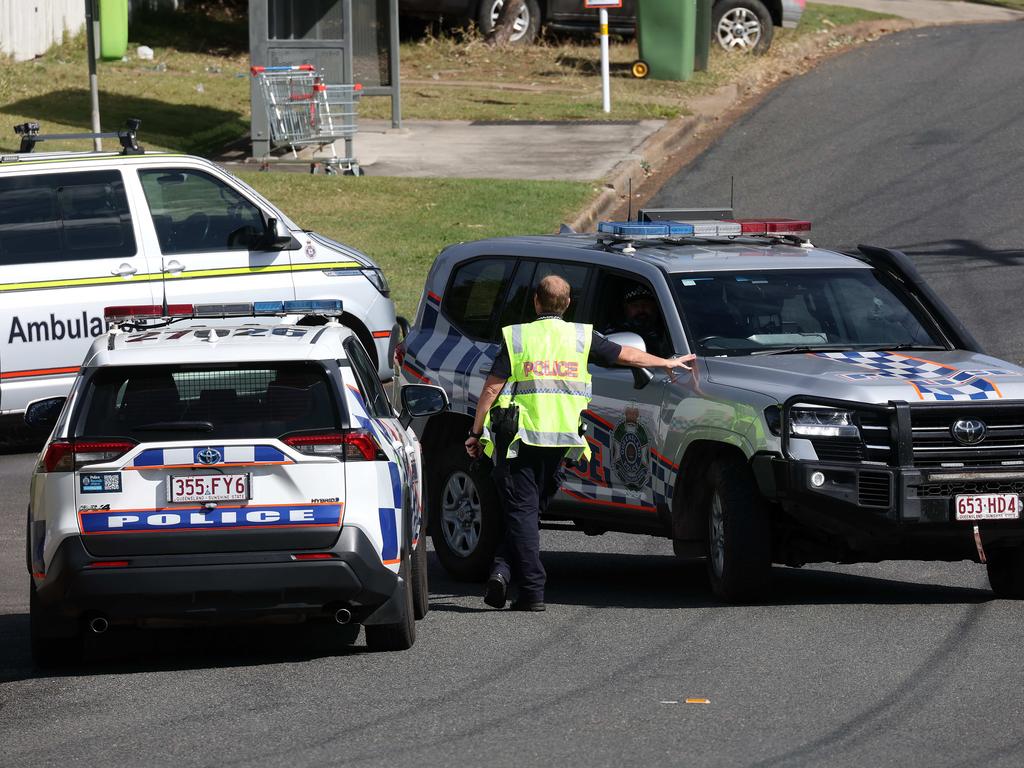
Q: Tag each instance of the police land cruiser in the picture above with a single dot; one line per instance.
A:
(80, 231)
(837, 410)
(244, 470)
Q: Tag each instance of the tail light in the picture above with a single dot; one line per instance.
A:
(347, 445)
(67, 456)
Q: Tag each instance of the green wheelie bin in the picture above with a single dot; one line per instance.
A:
(665, 35)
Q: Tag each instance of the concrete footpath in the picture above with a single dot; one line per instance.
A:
(569, 151)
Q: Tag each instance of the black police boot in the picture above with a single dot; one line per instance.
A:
(497, 591)
(535, 606)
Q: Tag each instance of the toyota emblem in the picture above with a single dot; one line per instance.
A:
(969, 431)
(212, 455)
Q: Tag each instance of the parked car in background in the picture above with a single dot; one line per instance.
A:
(736, 25)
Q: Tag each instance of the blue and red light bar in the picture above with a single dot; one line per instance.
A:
(136, 312)
(710, 228)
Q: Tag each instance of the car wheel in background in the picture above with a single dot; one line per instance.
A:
(420, 583)
(50, 650)
(465, 518)
(526, 27)
(1006, 573)
(742, 25)
(401, 635)
(739, 534)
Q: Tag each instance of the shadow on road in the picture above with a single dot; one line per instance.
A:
(603, 580)
(586, 579)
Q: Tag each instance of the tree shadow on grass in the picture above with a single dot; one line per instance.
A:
(195, 30)
(184, 127)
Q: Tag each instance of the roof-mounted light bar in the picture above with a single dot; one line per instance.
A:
(140, 313)
(704, 228)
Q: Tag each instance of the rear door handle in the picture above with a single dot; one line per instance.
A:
(174, 267)
(125, 270)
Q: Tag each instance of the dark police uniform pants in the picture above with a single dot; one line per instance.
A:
(525, 485)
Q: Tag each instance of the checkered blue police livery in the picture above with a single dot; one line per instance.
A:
(932, 381)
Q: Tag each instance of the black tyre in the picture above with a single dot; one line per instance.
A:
(1006, 573)
(742, 25)
(50, 649)
(465, 516)
(401, 635)
(739, 534)
(526, 26)
(420, 579)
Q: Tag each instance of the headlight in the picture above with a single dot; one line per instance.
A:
(822, 422)
(380, 282)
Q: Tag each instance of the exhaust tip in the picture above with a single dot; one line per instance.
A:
(343, 616)
(99, 625)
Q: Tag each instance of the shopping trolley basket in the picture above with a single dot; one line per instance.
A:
(304, 111)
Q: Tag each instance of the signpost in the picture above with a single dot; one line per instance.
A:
(602, 7)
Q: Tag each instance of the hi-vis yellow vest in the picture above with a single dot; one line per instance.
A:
(550, 384)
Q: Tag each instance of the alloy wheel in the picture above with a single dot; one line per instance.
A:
(461, 514)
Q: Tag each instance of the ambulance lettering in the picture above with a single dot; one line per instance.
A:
(55, 329)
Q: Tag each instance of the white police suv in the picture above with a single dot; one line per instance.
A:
(228, 471)
(81, 231)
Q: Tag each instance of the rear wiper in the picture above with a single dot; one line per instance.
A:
(904, 347)
(177, 426)
(803, 348)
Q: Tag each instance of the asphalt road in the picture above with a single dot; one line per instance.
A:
(914, 141)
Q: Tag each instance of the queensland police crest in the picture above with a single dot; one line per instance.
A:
(631, 451)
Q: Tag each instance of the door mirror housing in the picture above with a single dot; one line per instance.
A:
(45, 412)
(276, 236)
(419, 400)
(641, 376)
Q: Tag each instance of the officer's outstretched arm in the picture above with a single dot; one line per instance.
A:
(637, 359)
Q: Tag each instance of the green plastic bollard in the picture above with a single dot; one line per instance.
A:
(113, 29)
(665, 36)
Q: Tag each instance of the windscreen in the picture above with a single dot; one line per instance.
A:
(175, 402)
(741, 313)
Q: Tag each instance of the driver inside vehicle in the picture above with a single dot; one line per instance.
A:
(640, 315)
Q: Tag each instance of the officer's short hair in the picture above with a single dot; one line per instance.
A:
(553, 294)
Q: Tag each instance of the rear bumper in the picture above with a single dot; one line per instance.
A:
(868, 512)
(238, 584)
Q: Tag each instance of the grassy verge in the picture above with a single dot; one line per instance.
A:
(194, 95)
(404, 223)
(1017, 5)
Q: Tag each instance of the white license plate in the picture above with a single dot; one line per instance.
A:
(987, 506)
(182, 488)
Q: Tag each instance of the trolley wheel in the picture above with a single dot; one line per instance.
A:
(354, 170)
(640, 69)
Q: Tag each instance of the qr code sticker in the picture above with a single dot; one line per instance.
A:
(111, 483)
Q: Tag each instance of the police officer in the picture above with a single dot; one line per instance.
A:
(541, 385)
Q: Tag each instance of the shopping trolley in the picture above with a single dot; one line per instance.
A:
(304, 111)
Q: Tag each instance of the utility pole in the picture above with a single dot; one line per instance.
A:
(91, 22)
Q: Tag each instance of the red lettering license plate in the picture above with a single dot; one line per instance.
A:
(184, 488)
(987, 506)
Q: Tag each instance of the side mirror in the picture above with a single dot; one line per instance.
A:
(420, 400)
(276, 236)
(45, 412)
(641, 376)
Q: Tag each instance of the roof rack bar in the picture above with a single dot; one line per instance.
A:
(684, 214)
(30, 136)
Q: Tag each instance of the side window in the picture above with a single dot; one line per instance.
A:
(519, 302)
(193, 211)
(576, 275)
(474, 294)
(374, 395)
(627, 303)
(64, 216)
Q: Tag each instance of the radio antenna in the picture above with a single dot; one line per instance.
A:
(163, 286)
(629, 193)
(732, 194)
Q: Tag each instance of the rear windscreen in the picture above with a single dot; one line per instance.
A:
(174, 402)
